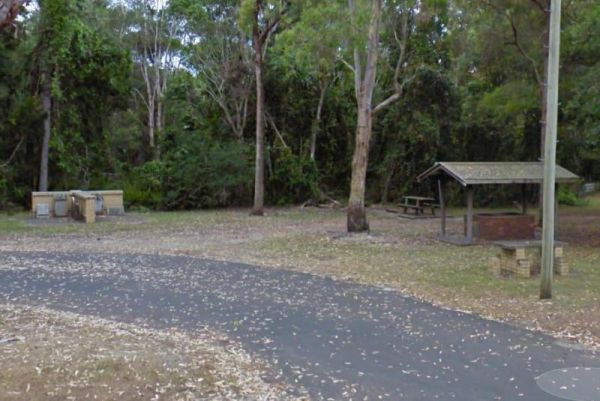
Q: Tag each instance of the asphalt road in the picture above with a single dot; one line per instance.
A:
(341, 341)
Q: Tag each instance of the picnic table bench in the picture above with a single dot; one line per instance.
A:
(418, 204)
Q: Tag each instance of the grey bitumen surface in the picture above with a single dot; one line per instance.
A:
(339, 340)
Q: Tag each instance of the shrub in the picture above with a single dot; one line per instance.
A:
(294, 179)
(567, 196)
(143, 186)
(201, 172)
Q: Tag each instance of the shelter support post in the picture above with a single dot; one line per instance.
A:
(524, 198)
(470, 193)
(442, 207)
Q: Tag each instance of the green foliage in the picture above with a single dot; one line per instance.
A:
(311, 47)
(504, 102)
(200, 172)
(90, 80)
(143, 186)
(294, 180)
(566, 196)
(3, 192)
(471, 94)
(580, 136)
(89, 74)
(247, 11)
(249, 18)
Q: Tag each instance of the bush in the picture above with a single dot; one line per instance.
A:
(10, 192)
(567, 196)
(202, 172)
(143, 187)
(294, 180)
(3, 193)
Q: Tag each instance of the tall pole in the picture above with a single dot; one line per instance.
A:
(550, 153)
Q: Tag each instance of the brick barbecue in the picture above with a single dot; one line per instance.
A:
(503, 226)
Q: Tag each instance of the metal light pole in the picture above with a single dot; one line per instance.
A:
(550, 153)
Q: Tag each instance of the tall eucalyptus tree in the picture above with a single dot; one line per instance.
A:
(366, 52)
(261, 18)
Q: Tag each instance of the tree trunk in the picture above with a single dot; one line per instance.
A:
(47, 107)
(357, 215)
(386, 183)
(151, 124)
(317, 123)
(259, 177)
(364, 87)
(160, 126)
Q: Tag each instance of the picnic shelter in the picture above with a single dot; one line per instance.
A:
(472, 174)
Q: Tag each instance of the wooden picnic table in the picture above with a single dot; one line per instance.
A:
(418, 204)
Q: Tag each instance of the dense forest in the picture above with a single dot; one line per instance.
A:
(200, 103)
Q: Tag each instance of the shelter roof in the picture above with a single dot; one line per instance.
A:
(480, 173)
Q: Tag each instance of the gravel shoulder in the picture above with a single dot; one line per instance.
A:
(47, 354)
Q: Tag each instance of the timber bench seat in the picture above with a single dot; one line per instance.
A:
(417, 209)
(418, 204)
(421, 208)
(523, 258)
(432, 206)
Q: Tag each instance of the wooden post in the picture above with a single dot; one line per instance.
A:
(442, 207)
(469, 214)
(524, 198)
(550, 153)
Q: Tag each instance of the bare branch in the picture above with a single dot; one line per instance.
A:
(347, 64)
(279, 136)
(13, 154)
(518, 45)
(395, 96)
(540, 5)
(402, 45)
(357, 64)
(268, 38)
(137, 92)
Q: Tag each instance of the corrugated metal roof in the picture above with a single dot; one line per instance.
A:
(479, 173)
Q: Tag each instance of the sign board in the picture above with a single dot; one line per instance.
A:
(42, 210)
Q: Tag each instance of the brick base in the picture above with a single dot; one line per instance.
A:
(526, 262)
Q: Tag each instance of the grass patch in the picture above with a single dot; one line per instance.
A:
(12, 223)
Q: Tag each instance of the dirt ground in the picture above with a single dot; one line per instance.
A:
(49, 355)
(398, 253)
(580, 229)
